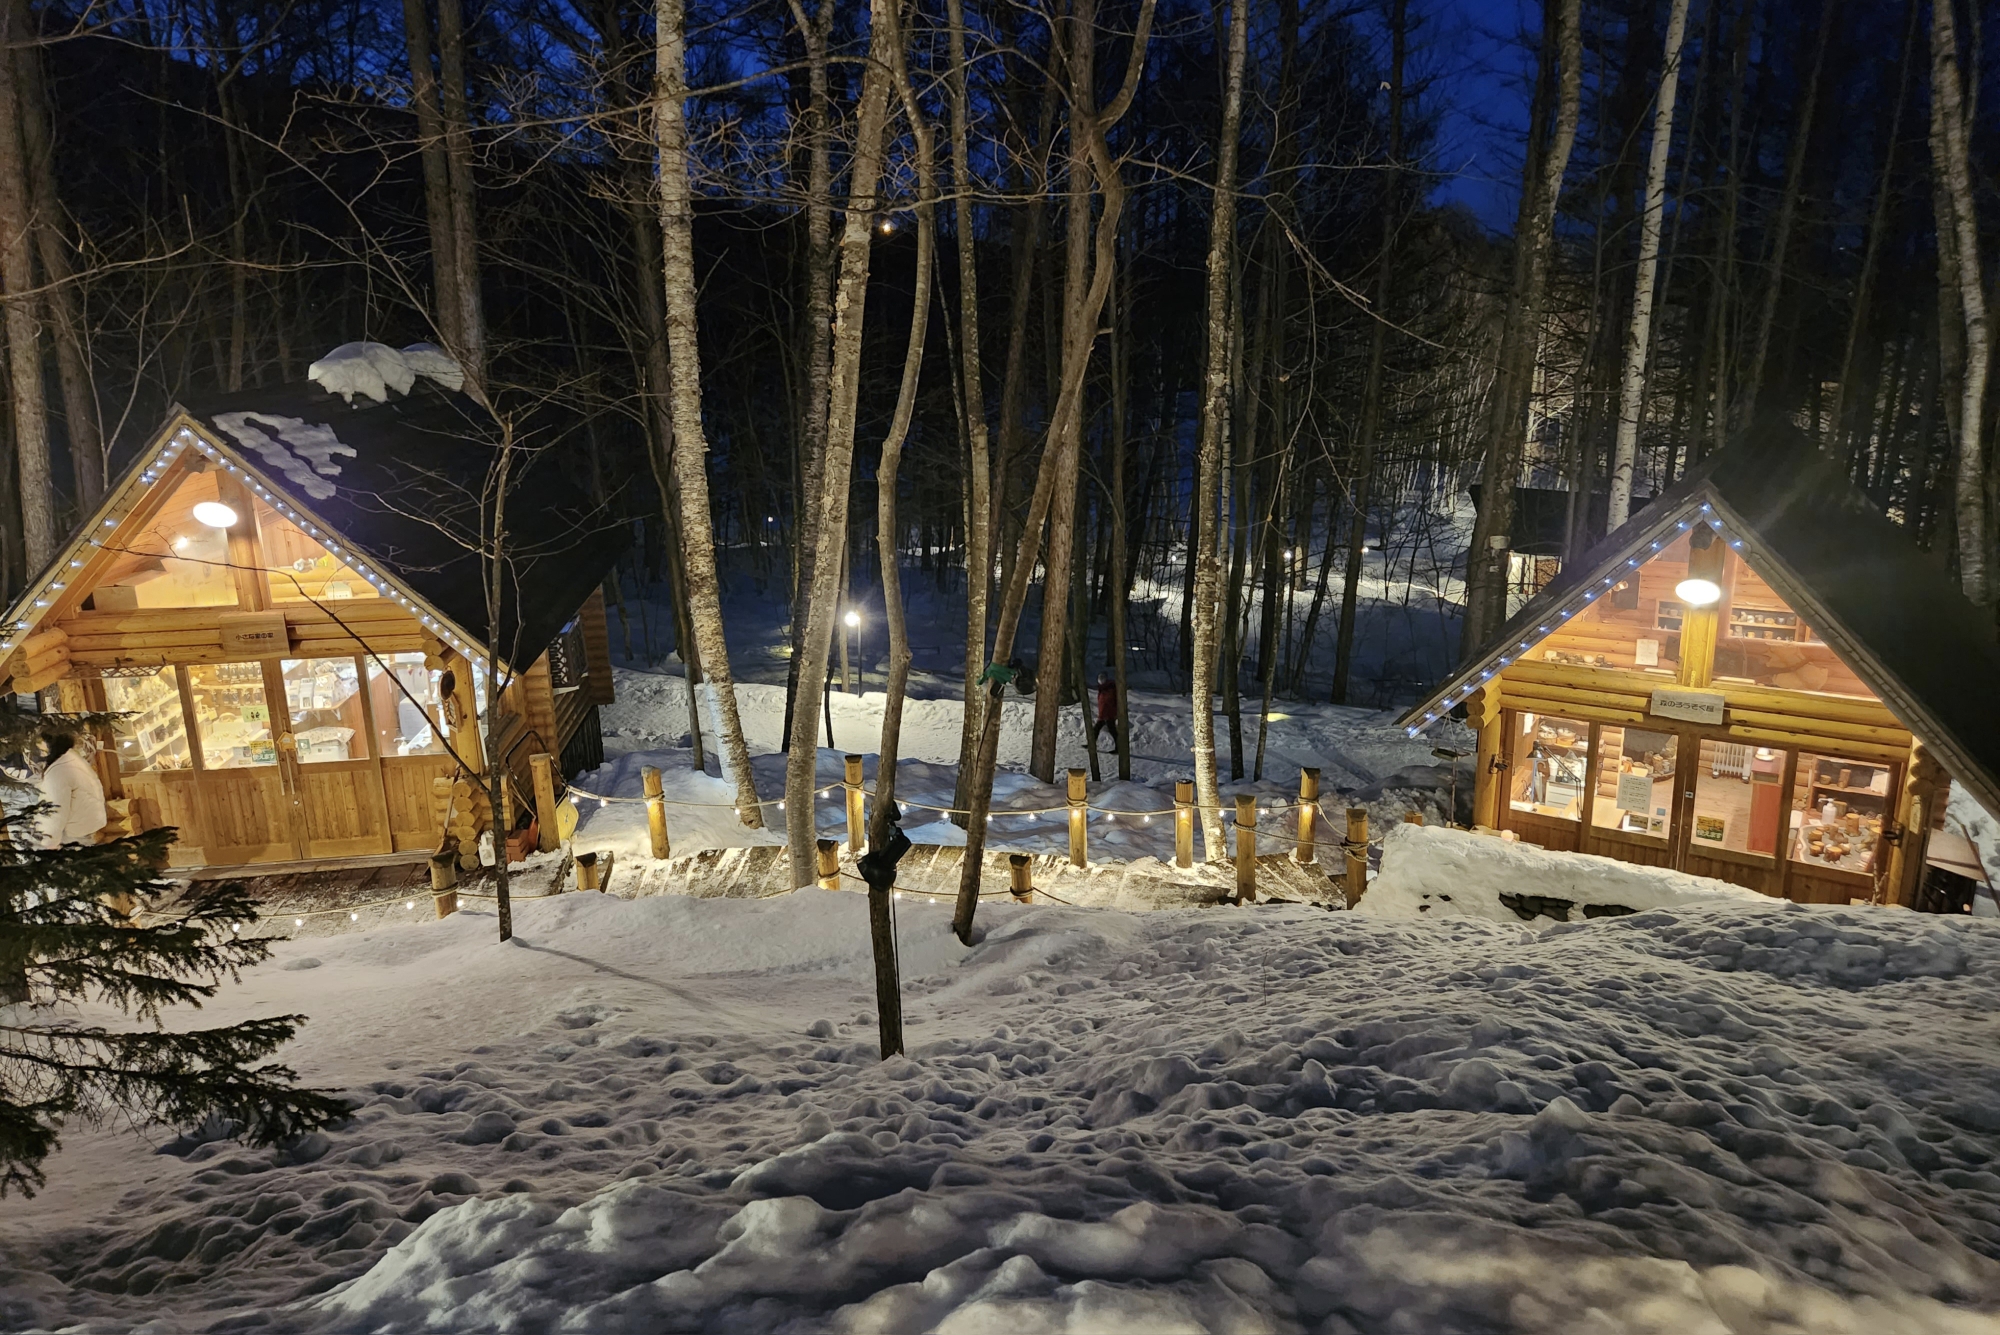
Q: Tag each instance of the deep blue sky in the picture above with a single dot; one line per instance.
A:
(1482, 73)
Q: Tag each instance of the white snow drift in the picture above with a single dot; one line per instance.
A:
(1437, 872)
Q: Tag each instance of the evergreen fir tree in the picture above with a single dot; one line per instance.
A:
(64, 943)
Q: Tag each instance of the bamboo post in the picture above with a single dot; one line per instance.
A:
(1020, 877)
(586, 871)
(444, 882)
(857, 820)
(1079, 839)
(542, 767)
(1184, 823)
(1308, 810)
(1357, 854)
(1246, 848)
(829, 864)
(656, 812)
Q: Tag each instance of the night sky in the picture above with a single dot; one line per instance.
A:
(1481, 71)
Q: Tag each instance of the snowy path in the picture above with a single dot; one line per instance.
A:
(666, 1114)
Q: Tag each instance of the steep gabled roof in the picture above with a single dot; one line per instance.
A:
(1889, 611)
(397, 486)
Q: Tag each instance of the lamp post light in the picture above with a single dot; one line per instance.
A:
(853, 620)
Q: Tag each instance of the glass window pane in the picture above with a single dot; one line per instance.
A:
(1837, 811)
(300, 568)
(153, 735)
(232, 715)
(407, 719)
(177, 560)
(1737, 798)
(1635, 781)
(325, 699)
(1550, 759)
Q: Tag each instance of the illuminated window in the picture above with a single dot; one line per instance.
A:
(1634, 624)
(232, 715)
(177, 560)
(408, 719)
(1635, 781)
(152, 735)
(324, 695)
(1550, 759)
(1737, 799)
(1837, 811)
(299, 567)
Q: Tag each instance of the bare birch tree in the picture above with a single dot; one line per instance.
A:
(684, 386)
(887, 533)
(1632, 391)
(979, 466)
(820, 600)
(1210, 516)
(1959, 252)
(17, 277)
(1507, 403)
(978, 776)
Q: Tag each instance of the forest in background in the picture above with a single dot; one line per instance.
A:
(1081, 295)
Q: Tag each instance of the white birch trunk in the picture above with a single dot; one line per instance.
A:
(1632, 393)
(24, 350)
(1209, 513)
(886, 535)
(1950, 134)
(684, 386)
(978, 516)
(821, 601)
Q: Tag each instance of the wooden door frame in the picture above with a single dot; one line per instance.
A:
(369, 779)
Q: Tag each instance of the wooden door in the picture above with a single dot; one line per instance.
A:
(1732, 800)
(341, 810)
(245, 805)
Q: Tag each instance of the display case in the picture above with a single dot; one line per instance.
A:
(232, 715)
(1551, 759)
(1838, 810)
(152, 734)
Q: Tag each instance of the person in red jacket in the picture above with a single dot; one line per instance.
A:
(1107, 708)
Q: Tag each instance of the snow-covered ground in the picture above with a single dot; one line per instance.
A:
(667, 1114)
(1363, 759)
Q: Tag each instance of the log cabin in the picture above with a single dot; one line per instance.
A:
(286, 602)
(1758, 678)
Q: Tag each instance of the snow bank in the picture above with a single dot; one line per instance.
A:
(1430, 871)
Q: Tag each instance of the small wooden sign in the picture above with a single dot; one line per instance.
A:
(1688, 706)
(254, 634)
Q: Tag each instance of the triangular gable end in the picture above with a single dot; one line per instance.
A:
(34, 653)
(1780, 533)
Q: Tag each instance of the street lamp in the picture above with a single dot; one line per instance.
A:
(853, 620)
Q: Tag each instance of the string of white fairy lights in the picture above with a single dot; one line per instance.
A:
(1577, 603)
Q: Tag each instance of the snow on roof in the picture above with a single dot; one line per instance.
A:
(373, 369)
(303, 451)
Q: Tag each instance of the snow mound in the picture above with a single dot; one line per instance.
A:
(374, 369)
(1430, 871)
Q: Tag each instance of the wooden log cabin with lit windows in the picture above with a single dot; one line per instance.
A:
(1758, 678)
(283, 602)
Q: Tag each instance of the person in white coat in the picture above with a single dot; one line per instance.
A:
(74, 796)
